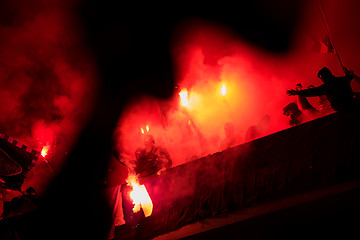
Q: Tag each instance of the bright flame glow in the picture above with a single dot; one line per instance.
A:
(223, 89)
(45, 150)
(140, 196)
(213, 89)
(147, 129)
(184, 97)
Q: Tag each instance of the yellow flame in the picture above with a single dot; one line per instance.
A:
(223, 89)
(142, 130)
(184, 97)
(147, 128)
(140, 196)
(45, 150)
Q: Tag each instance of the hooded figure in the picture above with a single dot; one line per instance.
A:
(152, 159)
(337, 90)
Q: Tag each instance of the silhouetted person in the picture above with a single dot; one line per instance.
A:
(259, 130)
(231, 138)
(293, 112)
(18, 205)
(337, 90)
(152, 159)
(306, 107)
(302, 102)
(324, 105)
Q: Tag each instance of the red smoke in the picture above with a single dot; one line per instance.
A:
(254, 88)
(208, 56)
(46, 77)
(47, 80)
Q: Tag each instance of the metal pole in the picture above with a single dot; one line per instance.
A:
(328, 32)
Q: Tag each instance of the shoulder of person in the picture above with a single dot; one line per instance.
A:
(160, 149)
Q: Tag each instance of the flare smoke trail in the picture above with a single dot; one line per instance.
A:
(207, 57)
(47, 81)
(46, 78)
(255, 86)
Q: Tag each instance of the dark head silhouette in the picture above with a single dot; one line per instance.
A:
(325, 74)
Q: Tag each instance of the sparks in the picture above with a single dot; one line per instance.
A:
(184, 97)
(140, 196)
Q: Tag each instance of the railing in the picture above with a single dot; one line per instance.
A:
(307, 157)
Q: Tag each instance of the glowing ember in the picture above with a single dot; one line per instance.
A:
(142, 130)
(223, 89)
(184, 97)
(45, 150)
(140, 196)
(147, 128)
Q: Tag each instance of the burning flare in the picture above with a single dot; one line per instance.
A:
(140, 196)
(45, 150)
(184, 97)
(147, 129)
(223, 89)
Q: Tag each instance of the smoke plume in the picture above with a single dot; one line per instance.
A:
(46, 76)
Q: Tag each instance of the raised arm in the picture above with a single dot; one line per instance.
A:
(311, 92)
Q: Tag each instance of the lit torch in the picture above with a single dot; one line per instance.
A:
(44, 150)
(147, 129)
(223, 89)
(184, 97)
(139, 196)
(223, 93)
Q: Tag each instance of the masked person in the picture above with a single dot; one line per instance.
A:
(231, 138)
(152, 159)
(337, 90)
